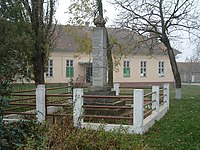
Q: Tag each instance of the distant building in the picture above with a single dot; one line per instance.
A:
(190, 71)
(135, 63)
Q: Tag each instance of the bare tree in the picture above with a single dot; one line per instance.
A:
(197, 51)
(41, 14)
(162, 19)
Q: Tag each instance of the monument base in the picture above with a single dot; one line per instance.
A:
(106, 91)
(99, 90)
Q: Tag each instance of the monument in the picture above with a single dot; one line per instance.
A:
(99, 58)
(99, 54)
(99, 70)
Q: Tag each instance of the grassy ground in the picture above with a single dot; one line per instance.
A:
(179, 129)
(23, 87)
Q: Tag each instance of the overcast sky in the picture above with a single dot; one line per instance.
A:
(184, 46)
(63, 5)
(61, 16)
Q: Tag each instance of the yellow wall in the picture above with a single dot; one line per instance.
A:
(151, 70)
(59, 68)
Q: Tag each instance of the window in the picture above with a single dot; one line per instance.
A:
(126, 69)
(69, 68)
(49, 71)
(143, 69)
(185, 77)
(161, 68)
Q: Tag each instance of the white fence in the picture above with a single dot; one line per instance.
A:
(140, 125)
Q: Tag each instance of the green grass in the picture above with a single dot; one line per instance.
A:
(30, 86)
(179, 128)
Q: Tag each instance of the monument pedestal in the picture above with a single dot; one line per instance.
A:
(104, 91)
(99, 89)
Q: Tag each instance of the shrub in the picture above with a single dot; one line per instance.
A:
(17, 134)
(63, 135)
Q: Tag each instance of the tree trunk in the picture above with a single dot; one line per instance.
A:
(110, 61)
(39, 68)
(110, 67)
(38, 60)
(173, 63)
(38, 36)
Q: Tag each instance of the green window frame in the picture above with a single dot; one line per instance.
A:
(69, 68)
(126, 70)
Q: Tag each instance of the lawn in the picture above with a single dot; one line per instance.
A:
(179, 128)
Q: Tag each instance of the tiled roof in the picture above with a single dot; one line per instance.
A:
(188, 67)
(64, 41)
(130, 42)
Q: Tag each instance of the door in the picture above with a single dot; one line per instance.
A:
(89, 74)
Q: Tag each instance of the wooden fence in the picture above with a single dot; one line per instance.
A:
(39, 104)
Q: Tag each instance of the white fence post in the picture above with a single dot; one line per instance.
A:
(40, 103)
(138, 114)
(155, 96)
(166, 94)
(116, 88)
(77, 107)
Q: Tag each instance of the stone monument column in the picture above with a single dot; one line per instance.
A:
(99, 65)
(99, 53)
(99, 68)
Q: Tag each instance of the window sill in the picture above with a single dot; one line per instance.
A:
(161, 76)
(49, 77)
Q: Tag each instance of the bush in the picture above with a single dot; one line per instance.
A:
(62, 135)
(17, 134)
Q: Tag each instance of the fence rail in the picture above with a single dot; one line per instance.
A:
(25, 91)
(107, 96)
(107, 117)
(24, 103)
(110, 107)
